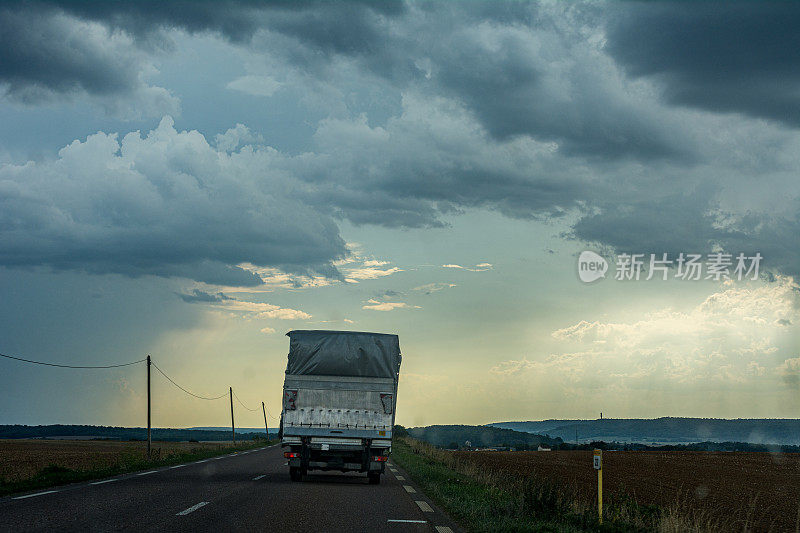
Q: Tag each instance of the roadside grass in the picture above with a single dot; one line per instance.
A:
(482, 500)
(133, 461)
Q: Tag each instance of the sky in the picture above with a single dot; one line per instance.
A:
(191, 180)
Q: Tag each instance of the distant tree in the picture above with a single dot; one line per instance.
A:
(400, 431)
(452, 446)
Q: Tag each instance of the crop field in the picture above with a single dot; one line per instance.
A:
(23, 458)
(731, 491)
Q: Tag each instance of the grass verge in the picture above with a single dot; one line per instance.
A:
(482, 500)
(54, 475)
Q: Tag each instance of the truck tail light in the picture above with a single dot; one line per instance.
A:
(380, 458)
(291, 455)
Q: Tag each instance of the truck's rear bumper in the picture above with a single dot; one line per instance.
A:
(373, 466)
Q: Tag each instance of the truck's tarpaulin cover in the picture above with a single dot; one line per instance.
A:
(343, 353)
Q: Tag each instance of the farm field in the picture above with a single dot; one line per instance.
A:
(22, 459)
(727, 490)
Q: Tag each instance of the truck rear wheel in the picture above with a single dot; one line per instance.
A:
(295, 473)
(374, 478)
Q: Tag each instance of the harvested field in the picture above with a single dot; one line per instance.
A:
(728, 491)
(23, 458)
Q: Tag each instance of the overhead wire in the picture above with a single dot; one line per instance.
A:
(187, 391)
(71, 366)
(59, 365)
(241, 402)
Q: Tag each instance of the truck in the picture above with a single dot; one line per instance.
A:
(339, 401)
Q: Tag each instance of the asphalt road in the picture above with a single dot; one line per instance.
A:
(247, 491)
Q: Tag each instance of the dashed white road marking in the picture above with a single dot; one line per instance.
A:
(203, 461)
(424, 506)
(409, 521)
(176, 466)
(34, 494)
(410, 489)
(145, 473)
(191, 509)
(400, 478)
(101, 482)
(259, 477)
(443, 529)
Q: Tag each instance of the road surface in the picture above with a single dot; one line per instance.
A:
(245, 491)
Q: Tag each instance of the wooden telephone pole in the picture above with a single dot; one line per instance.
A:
(149, 440)
(264, 410)
(233, 428)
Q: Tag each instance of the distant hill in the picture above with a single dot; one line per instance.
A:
(120, 433)
(480, 436)
(666, 430)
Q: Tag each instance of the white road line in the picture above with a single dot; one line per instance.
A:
(145, 473)
(424, 506)
(191, 509)
(410, 489)
(259, 477)
(32, 495)
(101, 482)
(176, 466)
(203, 461)
(400, 478)
(410, 521)
(443, 529)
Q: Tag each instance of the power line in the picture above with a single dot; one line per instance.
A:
(71, 366)
(268, 413)
(242, 403)
(186, 391)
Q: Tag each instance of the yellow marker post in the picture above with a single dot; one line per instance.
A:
(598, 465)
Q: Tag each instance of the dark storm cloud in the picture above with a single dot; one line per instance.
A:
(732, 57)
(533, 110)
(166, 204)
(50, 48)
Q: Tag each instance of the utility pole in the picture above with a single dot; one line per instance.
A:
(233, 428)
(264, 410)
(149, 441)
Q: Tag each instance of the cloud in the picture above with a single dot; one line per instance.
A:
(197, 296)
(267, 330)
(164, 204)
(234, 137)
(255, 85)
(430, 288)
(480, 267)
(575, 112)
(789, 371)
(739, 59)
(370, 272)
(376, 305)
(46, 54)
(732, 336)
(254, 309)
